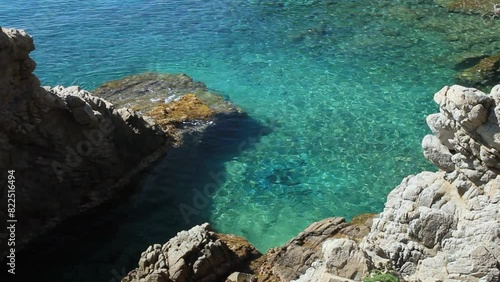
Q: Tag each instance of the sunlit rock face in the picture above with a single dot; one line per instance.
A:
(446, 225)
(437, 226)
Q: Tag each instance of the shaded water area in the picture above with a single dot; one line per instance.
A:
(336, 94)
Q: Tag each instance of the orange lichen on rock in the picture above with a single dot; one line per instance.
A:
(187, 108)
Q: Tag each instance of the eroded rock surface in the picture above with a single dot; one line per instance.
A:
(70, 150)
(466, 135)
(198, 254)
(430, 232)
(437, 226)
(326, 249)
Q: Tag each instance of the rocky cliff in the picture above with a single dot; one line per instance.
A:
(436, 226)
(445, 225)
(70, 150)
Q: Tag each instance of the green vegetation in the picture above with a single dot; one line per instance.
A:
(380, 276)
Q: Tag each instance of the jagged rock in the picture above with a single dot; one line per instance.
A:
(195, 255)
(466, 134)
(436, 226)
(445, 225)
(67, 147)
(437, 233)
(341, 260)
(315, 246)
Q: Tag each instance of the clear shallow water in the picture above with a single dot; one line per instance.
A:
(341, 89)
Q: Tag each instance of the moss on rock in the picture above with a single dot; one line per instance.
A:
(483, 74)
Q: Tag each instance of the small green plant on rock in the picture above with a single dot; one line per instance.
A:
(381, 276)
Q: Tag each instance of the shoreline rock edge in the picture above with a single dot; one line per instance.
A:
(436, 226)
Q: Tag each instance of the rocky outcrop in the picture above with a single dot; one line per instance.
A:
(143, 92)
(440, 226)
(181, 106)
(195, 255)
(428, 231)
(446, 225)
(323, 244)
(70, 150)
(230, 253)
(465, 136)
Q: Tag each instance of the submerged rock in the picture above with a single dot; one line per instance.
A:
(481, 7)
(176, 102)
(143, 92)
(467, 60)
(287, 177)
(484, 73)
(70, 150)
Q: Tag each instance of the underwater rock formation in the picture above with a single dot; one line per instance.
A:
(485, 73)
(480, 7)
(176, 102)
(143, 92)
(70, 150)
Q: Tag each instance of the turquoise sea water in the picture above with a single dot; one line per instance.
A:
(340, 88)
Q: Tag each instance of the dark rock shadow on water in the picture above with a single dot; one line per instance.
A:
(106, 243)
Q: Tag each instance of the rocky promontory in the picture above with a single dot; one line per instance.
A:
(177, 103)
(72, 150)
(436, 226)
